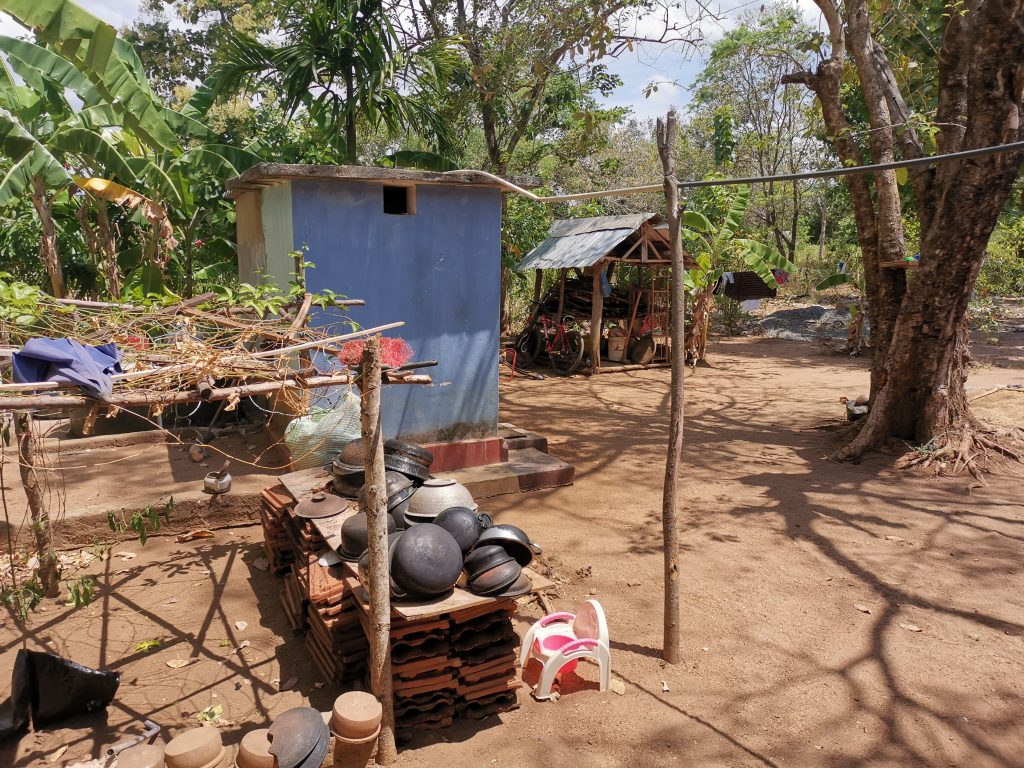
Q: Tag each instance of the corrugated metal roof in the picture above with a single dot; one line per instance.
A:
(582, 242)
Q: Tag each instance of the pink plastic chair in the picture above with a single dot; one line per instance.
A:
(559, 640)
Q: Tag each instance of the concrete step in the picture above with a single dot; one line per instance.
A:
(527, 469)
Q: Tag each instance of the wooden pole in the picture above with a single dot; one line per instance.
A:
(377, 543)
(538, 284)
(561, 295)
(666, 135)
(49, 577)
(596, 307)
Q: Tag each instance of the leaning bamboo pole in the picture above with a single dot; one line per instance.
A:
(377, 544)
(172, 397)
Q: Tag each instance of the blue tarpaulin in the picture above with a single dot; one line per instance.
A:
(68, 362)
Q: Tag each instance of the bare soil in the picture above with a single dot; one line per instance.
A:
(804, 582)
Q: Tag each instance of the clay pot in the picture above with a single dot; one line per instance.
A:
(426, 561)
(485, 557)
(354, 753)
(435, 496)
(141, 756)
(195, 748)
(356, 715)
(496, 580)
(464, 524)
(513, 539)
(254, 750)
(354, 534)
(299, 738)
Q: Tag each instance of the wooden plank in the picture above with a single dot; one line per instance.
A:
(300, 483)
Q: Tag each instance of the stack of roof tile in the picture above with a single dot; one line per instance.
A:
(486, 645)
(335, 640)
(274, 505)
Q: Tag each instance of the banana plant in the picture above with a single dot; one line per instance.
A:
(46, 141)
(711, 246)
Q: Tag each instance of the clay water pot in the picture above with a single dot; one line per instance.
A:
(299, 738)
(435, 496)
(485, 557)
(354, 753)
(195, 748)
(426, 561)
(496, 580)
(356, 715)
(513, 539)
(354, 535)
(141, 756)
(464, 524)
(254, 750)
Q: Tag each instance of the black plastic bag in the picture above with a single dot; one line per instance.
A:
(15, 711)
(53, 689)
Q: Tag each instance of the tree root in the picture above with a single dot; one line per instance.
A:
(975, 448)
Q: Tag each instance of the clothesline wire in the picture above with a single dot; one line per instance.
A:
(827, 173)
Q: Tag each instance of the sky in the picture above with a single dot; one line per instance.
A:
(673, 68)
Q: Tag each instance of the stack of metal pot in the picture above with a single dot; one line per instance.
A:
(435, 529)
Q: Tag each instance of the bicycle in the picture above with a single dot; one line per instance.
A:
(562, 342)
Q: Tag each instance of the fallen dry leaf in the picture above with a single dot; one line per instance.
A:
(318, 686)
(894, 538)
(58, 754)
(862, 608)
(664, 687)
(193, 535)
(243, 645)
(126, 555)
(261, 564)
(179, 663)
(618, 687)
(240, 625)
(911, 627)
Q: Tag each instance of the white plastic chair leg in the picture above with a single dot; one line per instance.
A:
(527, 646)
(604, 660)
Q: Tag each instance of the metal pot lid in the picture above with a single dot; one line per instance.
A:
(319, 506)
(296, 736)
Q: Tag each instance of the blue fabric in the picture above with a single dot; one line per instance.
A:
(606, 286)
(69, 362)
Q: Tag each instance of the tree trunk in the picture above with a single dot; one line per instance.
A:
(700, 319)
(108, 247)
(377, 544)
(48, 239)
(350, 118)
(48, 571)
(667, 131)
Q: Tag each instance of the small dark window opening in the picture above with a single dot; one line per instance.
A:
(400, 201)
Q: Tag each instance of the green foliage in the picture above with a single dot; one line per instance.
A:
(715, 245)
(81, 591)
(143, 522)
(1003, 271)
(21, 599)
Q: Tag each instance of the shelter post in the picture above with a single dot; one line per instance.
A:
(596, 305)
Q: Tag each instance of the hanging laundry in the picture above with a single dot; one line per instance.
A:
(747, 285)
(750, 305)
(68, 362)
(781, 276)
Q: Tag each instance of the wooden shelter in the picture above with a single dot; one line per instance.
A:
(631, 253)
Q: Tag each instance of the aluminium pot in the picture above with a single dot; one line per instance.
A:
(464, 524)
(354, 535)
(484, 558)
(397, 486)
(410, 451)
(497, 579)
(435, 496)
(513, 539)
(427, 561)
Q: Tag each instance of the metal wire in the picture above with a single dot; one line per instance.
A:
(828, 173)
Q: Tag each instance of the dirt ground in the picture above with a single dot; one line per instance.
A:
(834, 614)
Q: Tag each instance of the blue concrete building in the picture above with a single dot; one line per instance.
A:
(417, 246)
